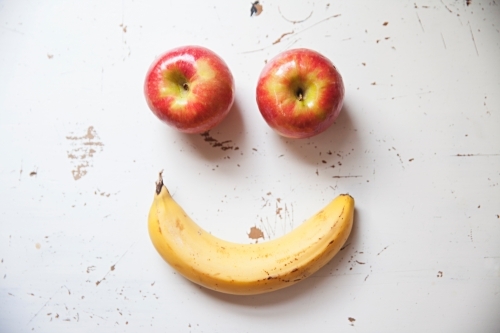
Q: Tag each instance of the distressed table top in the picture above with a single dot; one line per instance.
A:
(417, 144)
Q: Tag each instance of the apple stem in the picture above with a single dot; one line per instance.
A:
(185, 86)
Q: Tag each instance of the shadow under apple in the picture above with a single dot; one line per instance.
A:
(341, 136)
(226, 138)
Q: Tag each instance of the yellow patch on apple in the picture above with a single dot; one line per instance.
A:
(204, 70)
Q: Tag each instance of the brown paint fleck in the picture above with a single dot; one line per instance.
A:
(440, 274)
(112, 268)
(38, 246)
(223, 145)
(33, 173)
(255, 233)
(50, 56)
(385, 23)
(256, 9)
(282, 36)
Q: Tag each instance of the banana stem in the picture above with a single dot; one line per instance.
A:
(159, 182)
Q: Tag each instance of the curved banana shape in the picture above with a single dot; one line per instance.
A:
(246, 269)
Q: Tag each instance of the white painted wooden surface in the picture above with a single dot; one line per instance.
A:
(417, 145)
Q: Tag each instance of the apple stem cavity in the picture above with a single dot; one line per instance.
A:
(185, 86)
(300, 94)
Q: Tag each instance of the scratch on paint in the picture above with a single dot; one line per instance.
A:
(291, 21)
(420, 21)
(385, 248)
(298, 32)
(473, 39)
(112, 268)
(45, 304)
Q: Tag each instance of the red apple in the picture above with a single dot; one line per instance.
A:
(300, 93)
(190, 88)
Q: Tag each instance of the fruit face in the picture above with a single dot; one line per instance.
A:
(190, 88)
(300, 93)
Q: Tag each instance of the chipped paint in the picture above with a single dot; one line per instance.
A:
(82, 151)
(255, 233)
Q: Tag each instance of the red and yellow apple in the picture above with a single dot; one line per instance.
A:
(190, 88)
(300, 93)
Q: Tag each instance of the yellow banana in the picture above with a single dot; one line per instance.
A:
(246, 269)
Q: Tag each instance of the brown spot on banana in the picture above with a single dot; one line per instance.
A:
(179, 225)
